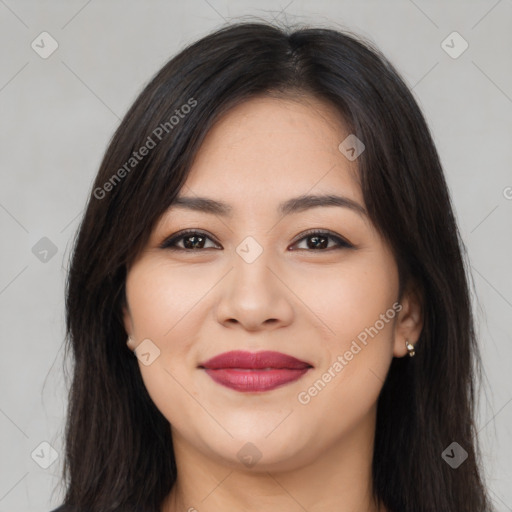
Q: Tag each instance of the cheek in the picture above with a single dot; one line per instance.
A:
(351, 297)
(161, 297)
(161, 301)
(358, 345)
(356, 302)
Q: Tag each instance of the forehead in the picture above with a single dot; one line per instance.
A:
(266, 149)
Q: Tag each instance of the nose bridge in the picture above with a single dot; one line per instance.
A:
(252, 264)
(252, 294)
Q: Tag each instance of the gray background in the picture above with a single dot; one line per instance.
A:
(58, 114)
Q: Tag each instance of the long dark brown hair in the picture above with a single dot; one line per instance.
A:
(119, 453)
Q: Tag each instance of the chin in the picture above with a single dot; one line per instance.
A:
(257, 453)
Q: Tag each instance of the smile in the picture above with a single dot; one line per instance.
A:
(254, 372)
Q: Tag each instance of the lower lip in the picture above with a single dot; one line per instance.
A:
(255, 380)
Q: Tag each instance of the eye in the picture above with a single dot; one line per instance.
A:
(192, 240)
(320, 240)
(195, 240)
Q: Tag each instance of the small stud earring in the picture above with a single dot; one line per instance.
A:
(410, 348)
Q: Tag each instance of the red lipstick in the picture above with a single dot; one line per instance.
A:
(254, 371)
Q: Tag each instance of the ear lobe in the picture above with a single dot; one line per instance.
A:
(410, 319)
(127, 320)
(130, 343)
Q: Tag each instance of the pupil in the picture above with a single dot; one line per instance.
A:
(315, 244)
(192, 245)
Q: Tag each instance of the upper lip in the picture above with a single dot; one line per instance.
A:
(254, 360)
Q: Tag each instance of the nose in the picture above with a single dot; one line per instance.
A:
(254, 296)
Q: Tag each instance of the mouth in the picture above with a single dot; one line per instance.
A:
(254, 371)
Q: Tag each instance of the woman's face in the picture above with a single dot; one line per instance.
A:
(253, 280)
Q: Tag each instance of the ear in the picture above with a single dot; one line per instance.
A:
(128, 325)
(410, 319)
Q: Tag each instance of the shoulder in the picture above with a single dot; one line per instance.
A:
(62, 508)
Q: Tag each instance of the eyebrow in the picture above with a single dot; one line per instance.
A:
(293, 205)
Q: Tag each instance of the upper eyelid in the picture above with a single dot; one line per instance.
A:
(186, 232)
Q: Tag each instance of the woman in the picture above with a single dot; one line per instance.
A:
(267, 304)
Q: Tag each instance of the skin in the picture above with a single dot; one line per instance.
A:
(309, 303)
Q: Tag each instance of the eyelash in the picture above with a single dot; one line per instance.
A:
(170, 243)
